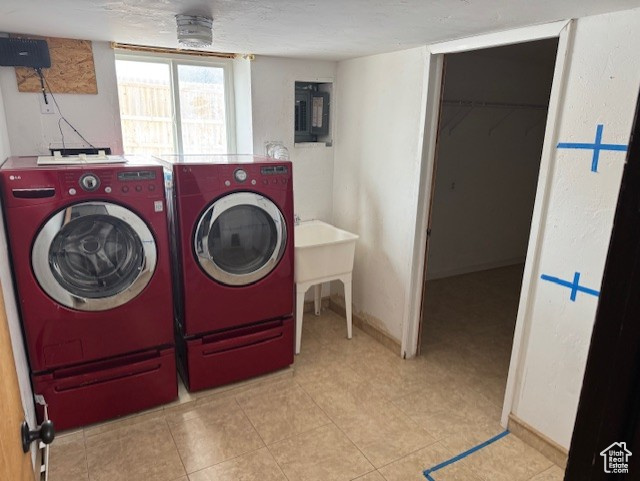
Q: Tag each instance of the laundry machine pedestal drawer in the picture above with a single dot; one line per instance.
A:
(237, 354)
(94, 392)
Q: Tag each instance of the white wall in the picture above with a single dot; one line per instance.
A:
(376, 176)
(242, 98)
(376, 193)
(488, 158)
(264, 97)
(602, 88)
(11, 308)
(5, 148)
(28, 132)
(97, 117)
(272, 96)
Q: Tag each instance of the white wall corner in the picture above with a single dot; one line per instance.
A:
(430, 99)
(242, 98)
(11, 308)
(97, 117)
(376, 176)
(272, 87)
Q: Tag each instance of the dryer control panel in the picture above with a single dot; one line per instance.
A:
(192, 179)
(256, 175)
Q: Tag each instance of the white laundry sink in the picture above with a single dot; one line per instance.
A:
(322, 251)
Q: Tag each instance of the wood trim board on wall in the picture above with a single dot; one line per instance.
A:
(336, 304)
(72, 68)
(531, 436)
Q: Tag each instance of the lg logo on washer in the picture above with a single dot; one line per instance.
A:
(15, 177)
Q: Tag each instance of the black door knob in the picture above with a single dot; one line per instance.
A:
(45, 433)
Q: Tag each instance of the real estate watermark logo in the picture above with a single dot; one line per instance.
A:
(616, 458)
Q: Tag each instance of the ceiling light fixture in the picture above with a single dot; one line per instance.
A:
(194, 30)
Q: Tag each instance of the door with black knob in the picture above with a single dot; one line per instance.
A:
(15, 464)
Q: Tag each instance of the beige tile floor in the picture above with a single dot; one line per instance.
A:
(347, 410)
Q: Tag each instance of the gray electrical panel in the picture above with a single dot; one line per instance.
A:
(311, 112)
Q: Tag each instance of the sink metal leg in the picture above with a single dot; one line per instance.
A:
(347, 304)
(299, 313)
(317, 298)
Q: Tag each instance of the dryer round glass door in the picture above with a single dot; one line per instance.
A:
(94, 256)
(240, 238)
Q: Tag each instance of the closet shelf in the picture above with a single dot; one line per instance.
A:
(493, 105)
(465, 107)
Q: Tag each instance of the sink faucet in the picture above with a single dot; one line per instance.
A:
(296, 219)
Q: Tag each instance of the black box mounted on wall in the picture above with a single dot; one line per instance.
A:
(311, 119)
(24, 52)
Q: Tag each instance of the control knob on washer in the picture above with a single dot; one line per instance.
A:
(89, 182)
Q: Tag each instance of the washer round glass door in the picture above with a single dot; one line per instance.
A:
(94, 256)
(240, 238)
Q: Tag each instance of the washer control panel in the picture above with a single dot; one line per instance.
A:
(30, 184)
(274, 170)
(240, 175)
(143, 182)
(136, 175)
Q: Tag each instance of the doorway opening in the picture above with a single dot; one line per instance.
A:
(492, 119)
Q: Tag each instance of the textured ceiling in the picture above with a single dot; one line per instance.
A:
(329, 29)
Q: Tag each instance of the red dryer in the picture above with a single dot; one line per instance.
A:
(233, 222)
(90, 255)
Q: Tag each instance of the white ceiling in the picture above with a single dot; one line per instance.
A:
(329, 29)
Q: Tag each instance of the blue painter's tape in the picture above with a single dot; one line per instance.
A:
(455, 459)
(574, 286)
(597, 147)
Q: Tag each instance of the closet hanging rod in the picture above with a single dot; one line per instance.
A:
(494, 105)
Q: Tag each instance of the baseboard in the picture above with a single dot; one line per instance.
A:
(458, 271)
(550, 449)
(382, 337)
(309, 307)
(37, 465)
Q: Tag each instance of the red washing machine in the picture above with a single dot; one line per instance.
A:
(90, 254)
(233, 222)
